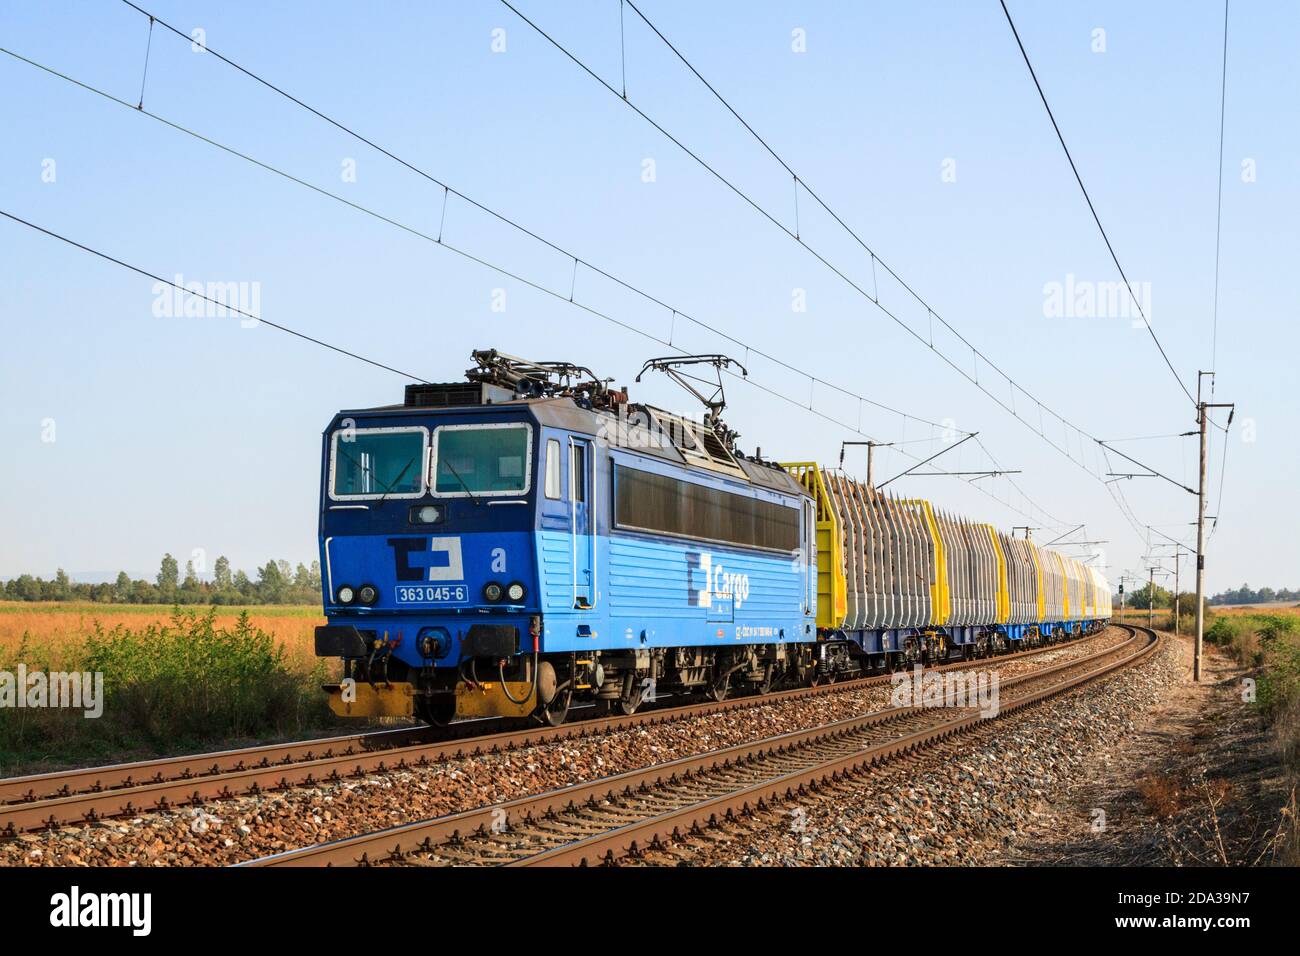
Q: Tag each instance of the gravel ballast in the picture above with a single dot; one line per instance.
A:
(242, 828)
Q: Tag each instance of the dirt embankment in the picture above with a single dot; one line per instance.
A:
(1198, 783)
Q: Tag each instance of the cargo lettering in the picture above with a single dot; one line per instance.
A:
(720, 583)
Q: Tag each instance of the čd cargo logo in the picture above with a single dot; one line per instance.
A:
(719, 583)
(427, 559)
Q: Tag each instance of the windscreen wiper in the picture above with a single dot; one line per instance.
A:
(457, 476)
(400, 475)
(371, 472)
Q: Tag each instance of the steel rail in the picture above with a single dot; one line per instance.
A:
(629, 840)
(454, 829)
(93, 794)
(63, 783)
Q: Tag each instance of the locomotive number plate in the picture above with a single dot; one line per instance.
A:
(432, 594)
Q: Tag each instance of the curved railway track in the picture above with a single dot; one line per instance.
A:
(604, 820)
(87, 795)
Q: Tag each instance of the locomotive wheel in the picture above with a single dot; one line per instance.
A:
(557, 711)
(630, 702)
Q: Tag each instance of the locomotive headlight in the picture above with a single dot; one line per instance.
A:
(492, 592)
(515, 592)
(426, 514)
(368, 594)
(345, 595)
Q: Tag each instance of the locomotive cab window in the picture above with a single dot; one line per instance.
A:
(481, 460)
(377, 462)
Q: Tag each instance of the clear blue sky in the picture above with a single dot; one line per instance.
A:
(176, 434)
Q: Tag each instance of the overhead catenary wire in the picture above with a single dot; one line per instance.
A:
(793, 234)
(814, 380)
(977, 355)
(1111, 441)
(217, 302)
(1091, 208)
(449, 190)
(443, 244)
(416, 232)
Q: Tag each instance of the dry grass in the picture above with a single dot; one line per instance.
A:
(1288, 844)
(1286, 608)
(53, 628)
(1162, 795)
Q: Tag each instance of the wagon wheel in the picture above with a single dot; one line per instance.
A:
(719, 689)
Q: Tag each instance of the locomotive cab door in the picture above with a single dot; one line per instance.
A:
(582, 522)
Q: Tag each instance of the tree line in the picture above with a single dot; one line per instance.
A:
(276, 582)
(1141, 598)
(1245, 595)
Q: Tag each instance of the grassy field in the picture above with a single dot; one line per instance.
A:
(52, 628)
(174, 680)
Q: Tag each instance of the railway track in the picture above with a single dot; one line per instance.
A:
(64, 798)
(604, 820)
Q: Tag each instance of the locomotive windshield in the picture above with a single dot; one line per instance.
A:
(471, 460)
(370, 463)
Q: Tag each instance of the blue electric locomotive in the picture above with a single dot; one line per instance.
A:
(529, 539)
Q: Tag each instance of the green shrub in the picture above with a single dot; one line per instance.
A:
(1222, 630)
(1279, 684)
